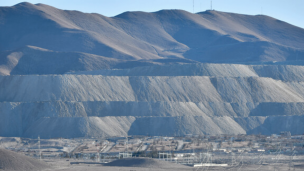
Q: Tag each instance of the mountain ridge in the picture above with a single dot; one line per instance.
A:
(209, 36)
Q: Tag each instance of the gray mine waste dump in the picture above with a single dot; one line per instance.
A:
(211, 99)
(72, 74)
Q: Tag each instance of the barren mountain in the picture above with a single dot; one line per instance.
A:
(73, 74)
(94, 41)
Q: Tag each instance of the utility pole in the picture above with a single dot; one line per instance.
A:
(211, 4)
(39, 147)
(193, 6)
(127, 145)
(97, 154)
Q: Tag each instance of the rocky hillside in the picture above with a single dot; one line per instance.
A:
(13, 161)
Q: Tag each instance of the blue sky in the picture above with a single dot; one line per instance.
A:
(291, 11)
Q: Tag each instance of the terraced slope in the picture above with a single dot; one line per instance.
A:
(228, 99)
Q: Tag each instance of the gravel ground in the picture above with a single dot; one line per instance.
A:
(10, 160)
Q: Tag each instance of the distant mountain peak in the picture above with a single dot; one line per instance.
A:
(24, 4)
(209, 36)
